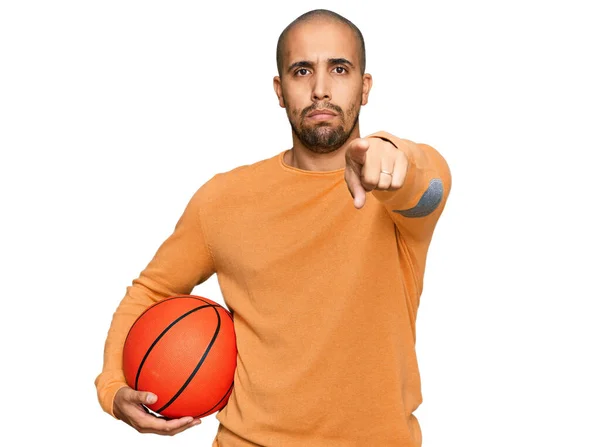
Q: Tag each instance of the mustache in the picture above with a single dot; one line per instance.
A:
(331, 107)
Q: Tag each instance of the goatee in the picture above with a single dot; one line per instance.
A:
(324, 138)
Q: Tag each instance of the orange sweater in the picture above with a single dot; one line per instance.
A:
(324, 299)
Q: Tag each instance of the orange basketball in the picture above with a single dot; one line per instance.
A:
(182, 349)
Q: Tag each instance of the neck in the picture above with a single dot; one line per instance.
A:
(299, 156)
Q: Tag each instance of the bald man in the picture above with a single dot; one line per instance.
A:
(320, 253)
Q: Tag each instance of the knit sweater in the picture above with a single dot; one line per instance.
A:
(324, 299)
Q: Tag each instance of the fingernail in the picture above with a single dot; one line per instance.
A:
(151, 398)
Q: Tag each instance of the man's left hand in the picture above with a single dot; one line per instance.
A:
(367, 161)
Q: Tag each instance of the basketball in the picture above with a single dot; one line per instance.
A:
(182, 349)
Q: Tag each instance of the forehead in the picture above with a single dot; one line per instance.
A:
(319, 40)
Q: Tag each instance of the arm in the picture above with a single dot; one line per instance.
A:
(414, 195)
(182, 261)
(417, 205)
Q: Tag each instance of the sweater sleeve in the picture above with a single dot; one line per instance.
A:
(417, 205)
(182, 261)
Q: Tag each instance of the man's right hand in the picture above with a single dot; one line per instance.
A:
(127, 406)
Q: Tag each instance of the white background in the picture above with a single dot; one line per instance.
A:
(113, 113)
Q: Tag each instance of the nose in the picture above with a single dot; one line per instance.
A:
(321, 86)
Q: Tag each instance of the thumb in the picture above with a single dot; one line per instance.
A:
(144, 397)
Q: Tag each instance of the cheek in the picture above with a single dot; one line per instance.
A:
(291, 95)
(352, 110)
(290, 105)
(354, 99)
(293, 113)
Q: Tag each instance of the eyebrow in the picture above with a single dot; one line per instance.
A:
(331, 61)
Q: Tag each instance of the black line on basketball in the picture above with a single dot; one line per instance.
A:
(217, 404)
(146, 310)
(178, 319)
(212, 342)
(152, 306)
(229, 314)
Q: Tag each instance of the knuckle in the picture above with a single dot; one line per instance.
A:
(370, 186)
(373, 179)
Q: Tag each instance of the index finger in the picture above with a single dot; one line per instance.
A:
(356, 151)
(355, 187)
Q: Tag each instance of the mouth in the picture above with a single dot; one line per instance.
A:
(320, 115)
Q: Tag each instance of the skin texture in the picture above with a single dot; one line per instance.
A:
(325, 81)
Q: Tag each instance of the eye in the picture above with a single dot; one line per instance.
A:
(298, 71)
(340, 72)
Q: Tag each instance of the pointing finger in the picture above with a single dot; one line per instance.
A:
(355, 187)
(357, 151)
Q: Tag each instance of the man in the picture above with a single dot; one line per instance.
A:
(323, 279)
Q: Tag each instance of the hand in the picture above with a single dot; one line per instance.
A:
(365, 159)
(127, 407)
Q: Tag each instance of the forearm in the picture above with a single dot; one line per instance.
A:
(182, 261)
(426, 176)
(108, 382)
(416, 206)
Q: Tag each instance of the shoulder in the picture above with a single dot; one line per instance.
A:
(238, 179)
(248, 173)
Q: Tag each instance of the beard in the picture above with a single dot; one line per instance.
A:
(323, 137)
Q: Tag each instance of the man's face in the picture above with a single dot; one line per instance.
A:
(321, 72)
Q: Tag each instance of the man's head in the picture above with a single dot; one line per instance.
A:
(321, 64)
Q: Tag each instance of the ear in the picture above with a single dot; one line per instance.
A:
(366, 88)
(278, 90)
